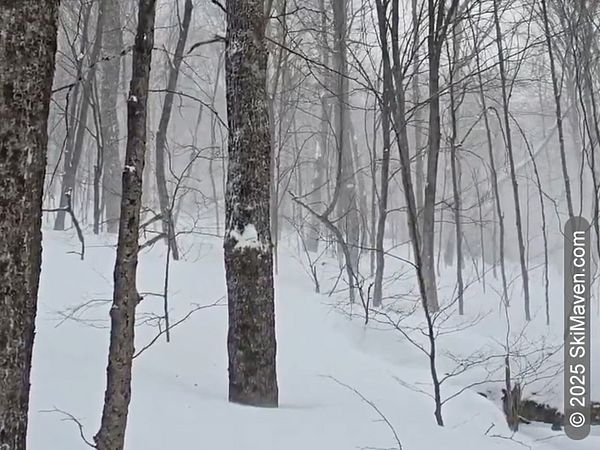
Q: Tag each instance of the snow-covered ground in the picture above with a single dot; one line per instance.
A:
(337, 378)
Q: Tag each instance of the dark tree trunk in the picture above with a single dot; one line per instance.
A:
(71, 115)
(495, 187)
(276, 130)
(558, 109)
(397, 105)
(168, 225)
(433, 152)
(248, 249)
(111, 179)
(320, 166)
(73, 155)
(416, 92)
(111, 435)
(438, 21)
(347, 207)
(27, 49)
(383, 194)
(511, 160)
(455, 165)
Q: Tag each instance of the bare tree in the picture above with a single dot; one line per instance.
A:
(111, 72)
(384, 189)
(74, 153)
(558, 110)
(439, 19)
(346, 199)
(395, 84)
(511, 159)
(455, 165)
(168, 225)
(111, 435)
(321, 152)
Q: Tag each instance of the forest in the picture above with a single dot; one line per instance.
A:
(294, 224)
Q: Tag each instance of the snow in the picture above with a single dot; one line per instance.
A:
(179, 396)
(235, 45)
(318, 152)
(247, 238)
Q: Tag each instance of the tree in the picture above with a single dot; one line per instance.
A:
(345, 190)
(111, 72)
(384, 189)
(511, 159)
(74, 153)
(320, 168)
(111, 435)
(439, 20)
(27, 55)
(168, 224)
(248, 249)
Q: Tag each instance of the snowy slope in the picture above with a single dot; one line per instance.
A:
(180, 389)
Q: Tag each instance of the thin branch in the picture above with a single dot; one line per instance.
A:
(71, 418)
(372, 405)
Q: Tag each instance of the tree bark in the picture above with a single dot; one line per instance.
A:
(111, 435)
(248, 248)
(27, 58)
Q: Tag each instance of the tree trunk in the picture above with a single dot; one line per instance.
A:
(433, 152)
(347, 207)
(248, 248)
(320, 166)
(73, 156)
(214, 149)
(111, 180)
(558, 109)
(495, 187)
(71, 113)
(99, 162)
(511, 160)
(111, 435)
(168, 225)
(276, 131)
(383, 194)
(455, 166)
(456, 189)
(397, 103)
(27, 51)
(416, 92)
